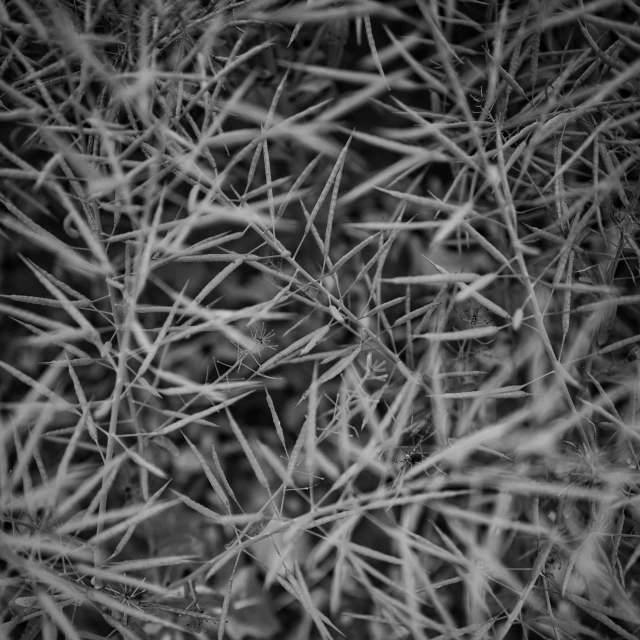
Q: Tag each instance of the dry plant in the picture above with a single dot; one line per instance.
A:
(319, 319)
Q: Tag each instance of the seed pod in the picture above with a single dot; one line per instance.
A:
(334, 38)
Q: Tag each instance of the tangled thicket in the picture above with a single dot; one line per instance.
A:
(318, 319)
